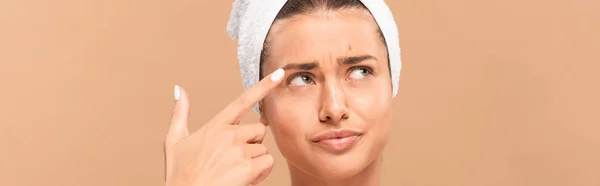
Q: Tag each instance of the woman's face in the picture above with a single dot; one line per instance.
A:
(331, 114)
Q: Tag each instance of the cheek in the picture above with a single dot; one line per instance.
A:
(372, 103)
(288, 117)
(370, 98)
(376, 114)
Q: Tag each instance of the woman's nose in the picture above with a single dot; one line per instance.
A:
(333, 105)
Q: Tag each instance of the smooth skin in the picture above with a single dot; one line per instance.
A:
(222, 152)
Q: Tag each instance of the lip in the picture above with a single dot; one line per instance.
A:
(337, 140)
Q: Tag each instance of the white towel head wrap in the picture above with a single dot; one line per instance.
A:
(251, 20)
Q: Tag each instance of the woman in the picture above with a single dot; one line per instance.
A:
(327, 98)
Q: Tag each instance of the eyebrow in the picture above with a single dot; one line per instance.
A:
(301, 66)
(342, 61)
(355, 59)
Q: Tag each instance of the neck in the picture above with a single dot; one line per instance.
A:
(367, 177)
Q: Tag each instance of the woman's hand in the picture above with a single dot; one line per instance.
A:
(222, 152)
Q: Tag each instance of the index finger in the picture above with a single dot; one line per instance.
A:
(236, 109)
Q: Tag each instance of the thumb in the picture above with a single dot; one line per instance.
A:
(178, 128)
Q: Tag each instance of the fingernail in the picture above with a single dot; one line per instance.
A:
(177, 92)
(277, 75)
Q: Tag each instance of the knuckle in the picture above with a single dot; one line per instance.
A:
(238, 155)
(231, 133)
(261, 126)
(263, 132)
(226, 134)
(238, 152)
(177, 112)
(269, 159)
(263, 129)
(243, 100)
(232, 128)
(169, 142)
(228, 138)
(261, 86)
(174, 111)
(245, 166)
(258, 127)
(261, 150)
(265, 149)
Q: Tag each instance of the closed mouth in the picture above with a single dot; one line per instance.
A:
(336, 134)
(337, 141)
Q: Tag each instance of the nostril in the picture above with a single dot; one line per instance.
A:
(326, 119)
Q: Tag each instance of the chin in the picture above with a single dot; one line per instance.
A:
(336, 170)
(334, 167)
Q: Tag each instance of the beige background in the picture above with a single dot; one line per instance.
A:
(493, 93)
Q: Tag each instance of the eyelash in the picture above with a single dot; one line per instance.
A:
(309, 75)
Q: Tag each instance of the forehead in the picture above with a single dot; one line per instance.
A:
(311, 37)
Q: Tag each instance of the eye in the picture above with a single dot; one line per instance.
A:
(359, 72)
(300, 80)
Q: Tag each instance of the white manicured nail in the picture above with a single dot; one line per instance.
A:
(177, 92)
(277, 75)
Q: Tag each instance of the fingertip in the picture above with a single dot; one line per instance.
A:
(177, 92)
(180, 96)
(178, 127)
(277, 74)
